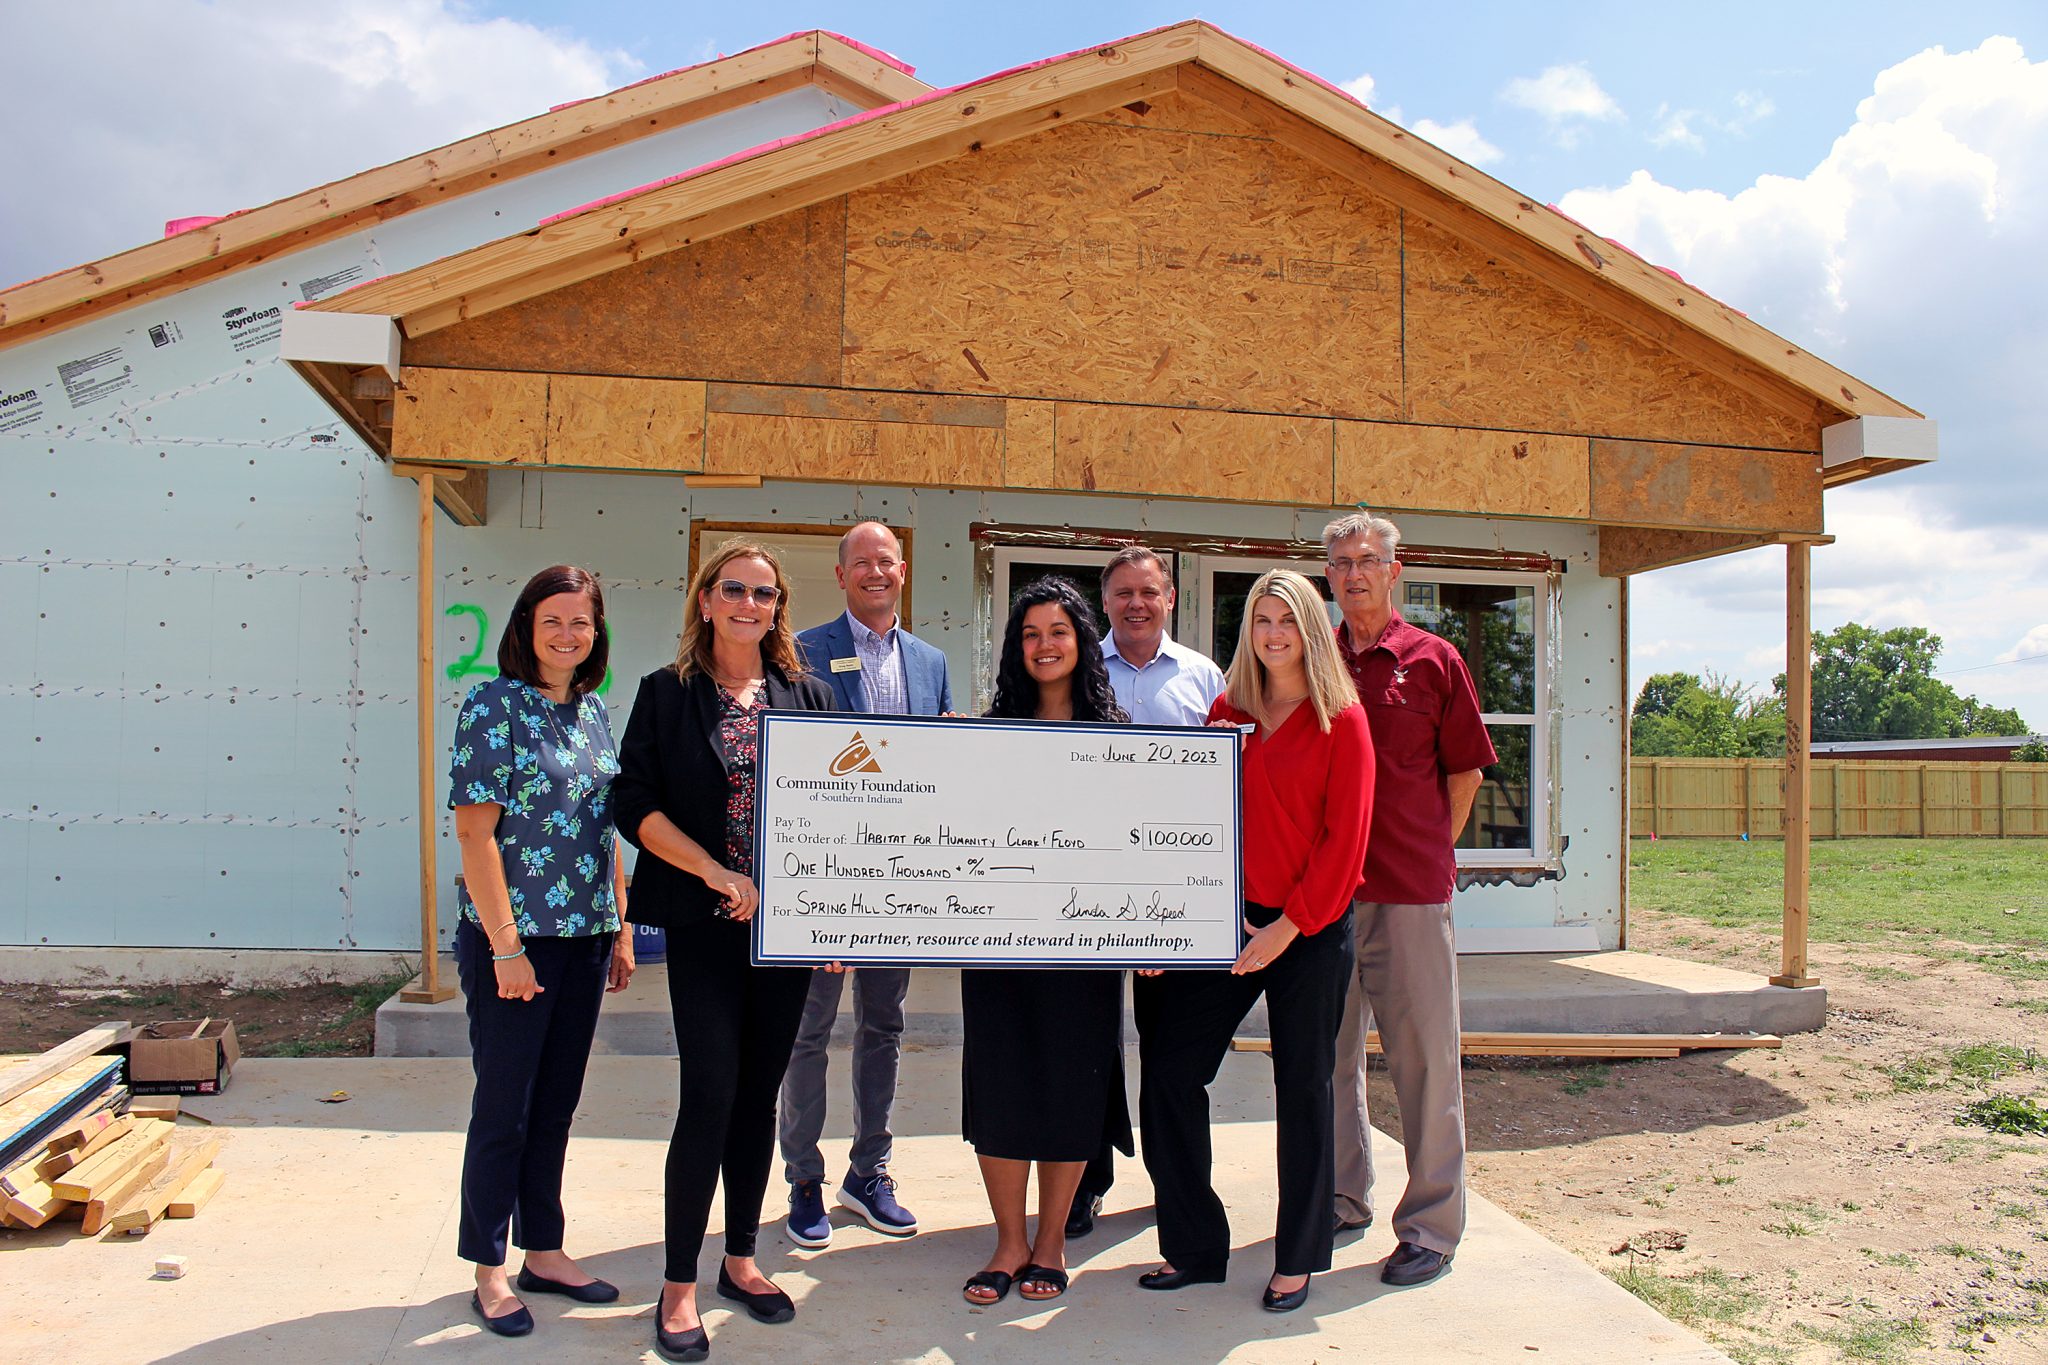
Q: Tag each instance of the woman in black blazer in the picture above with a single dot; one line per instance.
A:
(685, 797)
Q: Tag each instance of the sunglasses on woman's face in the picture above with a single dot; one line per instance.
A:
(732, 590)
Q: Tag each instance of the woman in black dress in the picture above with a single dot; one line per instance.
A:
(685, 798)
(1042, 1072)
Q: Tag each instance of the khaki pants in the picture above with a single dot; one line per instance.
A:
(1406, 979)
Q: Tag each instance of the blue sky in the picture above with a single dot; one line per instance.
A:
(1870, 180)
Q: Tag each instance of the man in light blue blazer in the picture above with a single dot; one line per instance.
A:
(874, 666)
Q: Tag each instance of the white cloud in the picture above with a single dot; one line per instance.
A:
(1899, 560)
(1460, 139)
(1909, 256)
(1674, 129)
(1681, 127)
(1568, 97)
(2032, 645)
(183, 112)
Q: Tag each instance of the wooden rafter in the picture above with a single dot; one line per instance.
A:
(1294, 108)
(551, 139)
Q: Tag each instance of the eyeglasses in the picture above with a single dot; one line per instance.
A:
(732, 590)
(1361, 564)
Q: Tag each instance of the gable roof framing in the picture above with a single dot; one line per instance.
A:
(1297, 109)
(825, 60)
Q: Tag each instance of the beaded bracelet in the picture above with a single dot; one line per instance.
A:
(507, 957)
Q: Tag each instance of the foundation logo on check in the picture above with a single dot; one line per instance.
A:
(856, 757)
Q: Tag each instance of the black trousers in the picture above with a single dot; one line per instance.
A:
(529, 1057)
(735, 1025)
(1100, 1173)
(1185, 1023)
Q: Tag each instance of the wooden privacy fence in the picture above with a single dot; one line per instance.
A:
(1724, 798)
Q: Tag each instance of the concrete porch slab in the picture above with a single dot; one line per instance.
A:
(334, 1240)
(1506, 992)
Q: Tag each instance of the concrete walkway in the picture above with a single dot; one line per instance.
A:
(1500, 992)
(334, 1240)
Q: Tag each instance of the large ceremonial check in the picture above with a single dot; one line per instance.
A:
(909, 841)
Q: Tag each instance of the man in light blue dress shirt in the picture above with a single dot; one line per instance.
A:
(873, 666)
(1158, 682)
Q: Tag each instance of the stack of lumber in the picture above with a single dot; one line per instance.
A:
(1473, 1044)
(74, 1144)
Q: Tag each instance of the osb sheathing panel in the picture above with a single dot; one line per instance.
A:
(1489, 346)
(1232, 456)
(633, 424)
(1500, 473)
(759, 305)
(1028, 459)
(1648, 484)
(1178, 114)
(853, 452)
(469, 416)
(856, 406)
(1122, 263)
(1626, 550)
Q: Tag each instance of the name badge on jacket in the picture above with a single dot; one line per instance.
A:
(846, 665)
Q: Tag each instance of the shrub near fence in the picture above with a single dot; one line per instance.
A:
(1725, 798)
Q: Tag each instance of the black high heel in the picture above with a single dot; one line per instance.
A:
(773, 1306)
(1284, 1301)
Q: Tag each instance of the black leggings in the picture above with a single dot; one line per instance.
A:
(1185, 1022)
(735, 1025)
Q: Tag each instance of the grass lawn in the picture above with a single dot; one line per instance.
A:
(1986, 891)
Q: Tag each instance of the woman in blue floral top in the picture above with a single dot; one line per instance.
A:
(539, 941)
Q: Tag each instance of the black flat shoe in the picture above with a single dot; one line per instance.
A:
(1081, 1218)
(516, 1323)
(1277, 1301)
(1178, 1279)
(597, 1291)
(1412, 1265)
(773, 1306)
(689, 1345)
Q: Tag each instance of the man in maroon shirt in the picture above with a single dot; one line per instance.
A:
(1429, 746)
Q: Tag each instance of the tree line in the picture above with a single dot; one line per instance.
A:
(1867, 684)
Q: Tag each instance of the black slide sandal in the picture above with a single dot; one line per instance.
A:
(1042, 1274)
(998, 1280)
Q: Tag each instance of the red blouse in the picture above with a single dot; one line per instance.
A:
(1307, 807)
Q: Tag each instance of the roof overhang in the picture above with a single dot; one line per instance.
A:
(858, 74)
(1867, 446)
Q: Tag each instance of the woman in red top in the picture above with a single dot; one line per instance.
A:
(1307, 801)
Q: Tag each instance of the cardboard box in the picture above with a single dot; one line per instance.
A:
(167, 1059)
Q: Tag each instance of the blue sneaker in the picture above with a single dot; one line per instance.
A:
(810, 1226)
(873, 1197)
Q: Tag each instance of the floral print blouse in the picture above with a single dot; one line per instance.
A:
(739, 730)
(550, 765)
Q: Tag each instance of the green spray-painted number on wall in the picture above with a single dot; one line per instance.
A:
(471, 665)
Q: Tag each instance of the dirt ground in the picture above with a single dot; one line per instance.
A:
(1823, 1202)
(1828, 1205)
(299, 1021)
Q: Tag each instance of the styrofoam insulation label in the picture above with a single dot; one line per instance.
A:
(21, 410)
(90, 378)
(251, 329)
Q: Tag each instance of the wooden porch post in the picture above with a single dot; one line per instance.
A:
(428, 989)
(1798, 781)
